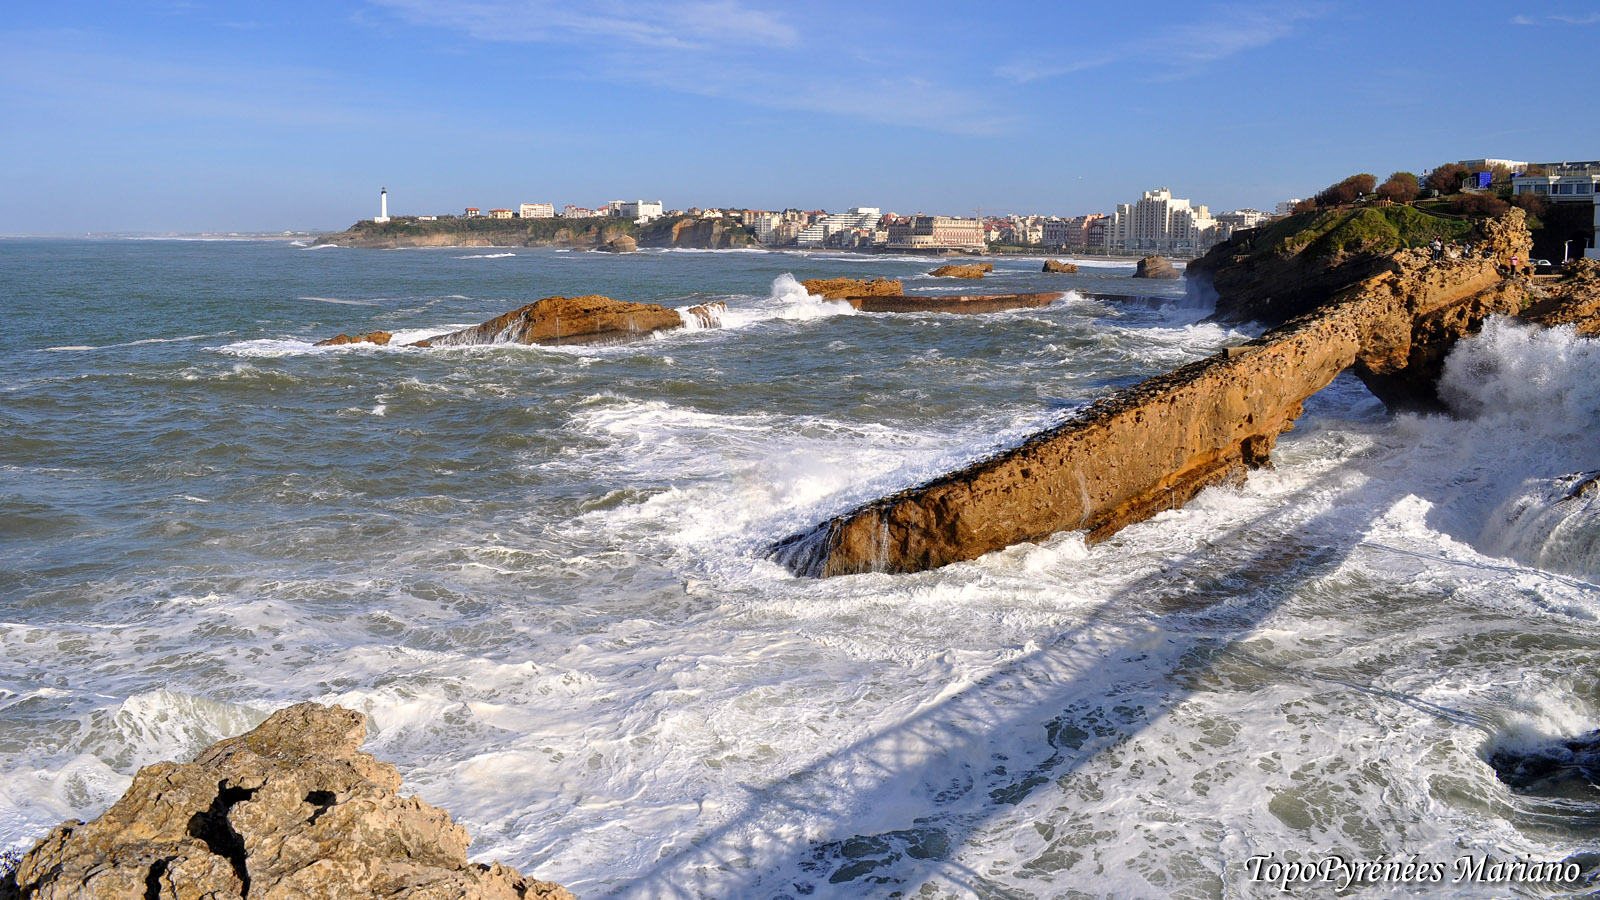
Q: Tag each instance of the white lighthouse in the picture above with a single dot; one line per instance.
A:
(383, 206)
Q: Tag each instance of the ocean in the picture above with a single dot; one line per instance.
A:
(541, 573)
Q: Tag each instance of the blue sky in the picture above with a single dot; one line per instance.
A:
(153, 115)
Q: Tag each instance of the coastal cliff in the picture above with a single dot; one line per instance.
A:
(1154, 446)
(292, 809)
(687, 232)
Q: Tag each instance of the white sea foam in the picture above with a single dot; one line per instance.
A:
(486, 256)
(340, 302)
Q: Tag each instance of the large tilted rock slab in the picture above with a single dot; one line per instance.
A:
(1141, 451)
(1154, 446)
(292, 809)
(577, 320)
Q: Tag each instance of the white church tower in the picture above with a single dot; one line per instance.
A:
(383, 207)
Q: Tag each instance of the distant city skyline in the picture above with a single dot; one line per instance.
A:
(166, 116)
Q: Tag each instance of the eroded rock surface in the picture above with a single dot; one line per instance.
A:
(567, 320)
(1063, 268)
(292, 809)
(840, 288)
(967, 270)
(623, 244)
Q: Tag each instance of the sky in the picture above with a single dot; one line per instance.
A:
(163, 116)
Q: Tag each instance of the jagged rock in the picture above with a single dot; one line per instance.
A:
(371, 337)
(706, 315)
(1545, 769)
(1056, 265)
(840, 288)
(1574, 300)
(968, 270)
(566, 320)
(1155, 267)
(1154, 446)
(289, 810)
(623, 244)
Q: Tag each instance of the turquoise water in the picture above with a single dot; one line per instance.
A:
(539, 572)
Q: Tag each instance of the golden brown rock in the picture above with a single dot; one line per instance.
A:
(622, 244)
(1155, 267)
(566, 320)
(840, 288)
(290, 810)
(371, 337)
(968, 270)
(1056, 265)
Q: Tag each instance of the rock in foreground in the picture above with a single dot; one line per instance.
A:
(292, 809)
(1063, 268)
(969, 270)
(1155, 267)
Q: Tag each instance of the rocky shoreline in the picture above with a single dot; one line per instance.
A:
(1154, 446)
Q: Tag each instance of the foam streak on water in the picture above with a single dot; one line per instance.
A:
(539, 571)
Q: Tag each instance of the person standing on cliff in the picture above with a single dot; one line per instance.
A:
(1438, 248)
(1514, 261)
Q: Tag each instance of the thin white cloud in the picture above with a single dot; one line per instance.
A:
(759, 57)
(1522, 20)
(693, 25)
(1177, 51)
(1590, 19)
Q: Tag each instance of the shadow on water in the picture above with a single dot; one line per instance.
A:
(1034, 721)
(951, 769)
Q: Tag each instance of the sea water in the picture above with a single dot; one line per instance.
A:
(540, 572)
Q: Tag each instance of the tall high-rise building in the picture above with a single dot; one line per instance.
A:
(1161, 223)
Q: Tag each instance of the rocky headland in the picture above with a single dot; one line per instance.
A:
(608, 233)
(289, 811)
(1154, 446)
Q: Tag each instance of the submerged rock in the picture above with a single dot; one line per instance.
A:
(965, 303)
(1056, 265)
(1551, 767)
(292, 809)
(1155, 267)
(968, 270)
(372, 337)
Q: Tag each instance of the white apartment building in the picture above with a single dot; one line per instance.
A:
(1161, 223)
(537, 211)
(816, 234)
(640, 211)
(764, 224)
(1286, 207)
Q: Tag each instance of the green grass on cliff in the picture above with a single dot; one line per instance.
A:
(1368, 230)
(536, 230)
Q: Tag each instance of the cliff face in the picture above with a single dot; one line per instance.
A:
(699, 234)
(289, 810)
(1154, 446)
